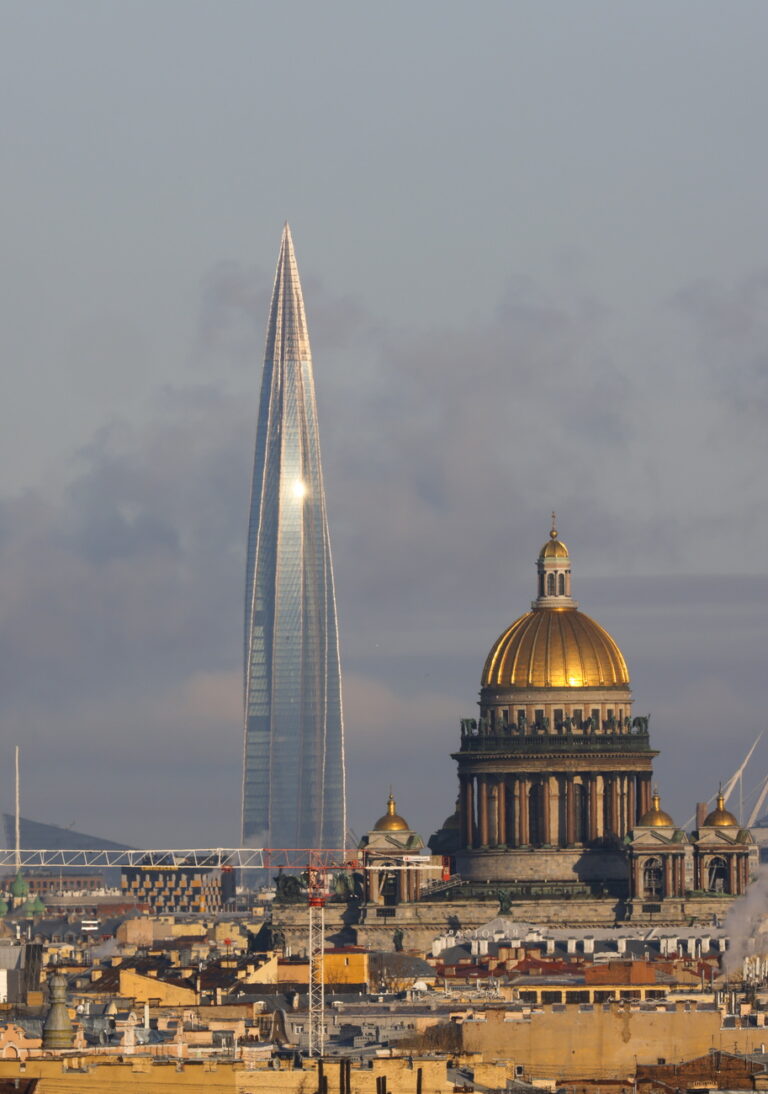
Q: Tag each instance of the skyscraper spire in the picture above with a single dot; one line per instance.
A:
(294, 792)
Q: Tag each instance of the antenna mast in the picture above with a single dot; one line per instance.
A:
(18, 816)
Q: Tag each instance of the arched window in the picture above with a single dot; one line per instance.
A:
(653, 879)
(550, 584)
(561, 584)
(717, 875)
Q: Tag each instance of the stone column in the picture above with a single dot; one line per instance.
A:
(524, 833)
(645, 793)
(615, 805)
(668, 876)
(482, 789)
(732, 880)
(638, 880)
(570, 812)
(553, 800)
(544, 805)
(501, 813)
(592, 808)
(631, 803)
(600, 811)
(516, 811)
(509, 805)
(623, 807)
(468, 812)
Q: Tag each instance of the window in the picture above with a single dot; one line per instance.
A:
(653, 879)
(561, 584)
(550, 585)
(717, 875)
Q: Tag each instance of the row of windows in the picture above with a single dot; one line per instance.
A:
(556, 584)
(588, 995)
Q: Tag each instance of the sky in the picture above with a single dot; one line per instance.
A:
(532, 243)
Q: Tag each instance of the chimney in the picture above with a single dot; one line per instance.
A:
(702, 808)
(589, 944)
(621, 945)
(571, 945)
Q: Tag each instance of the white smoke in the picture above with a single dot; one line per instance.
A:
(746, 925)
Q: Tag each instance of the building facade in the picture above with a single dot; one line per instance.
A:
(294, 792)
(556, 761)
(184, 887)
(555, 780)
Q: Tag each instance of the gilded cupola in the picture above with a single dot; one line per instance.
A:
(656, 817)
(555, 645)
(720, 817)
(391, 821)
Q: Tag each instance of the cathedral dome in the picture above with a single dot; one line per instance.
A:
(656, 817)
(555, 645)
(391, 821)
(720, 817)
(555, 648)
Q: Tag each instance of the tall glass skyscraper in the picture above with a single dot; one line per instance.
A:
(294, 792)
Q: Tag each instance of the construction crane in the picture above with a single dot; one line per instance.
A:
(317, 895)
(730, 785)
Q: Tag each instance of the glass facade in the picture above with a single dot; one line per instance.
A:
(294, 792)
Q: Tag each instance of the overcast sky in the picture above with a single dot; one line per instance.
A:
(533, 245)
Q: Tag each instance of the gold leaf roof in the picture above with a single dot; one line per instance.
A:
(656, 817)
(720, 817)
(391, 821)
(555, 648)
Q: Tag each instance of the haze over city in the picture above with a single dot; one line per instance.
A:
(532, 248)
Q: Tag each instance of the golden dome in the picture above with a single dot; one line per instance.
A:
(553, 647)
(656, 817)
(391, 822)
(720, 817)
(554, 548)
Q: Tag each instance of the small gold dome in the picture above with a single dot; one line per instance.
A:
(391, 822)
(720, 817)
(656, 817)
(553, 647)
(554, 548)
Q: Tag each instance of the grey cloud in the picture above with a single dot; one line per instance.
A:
(120, 589)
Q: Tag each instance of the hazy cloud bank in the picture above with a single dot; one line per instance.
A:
(445, 450)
